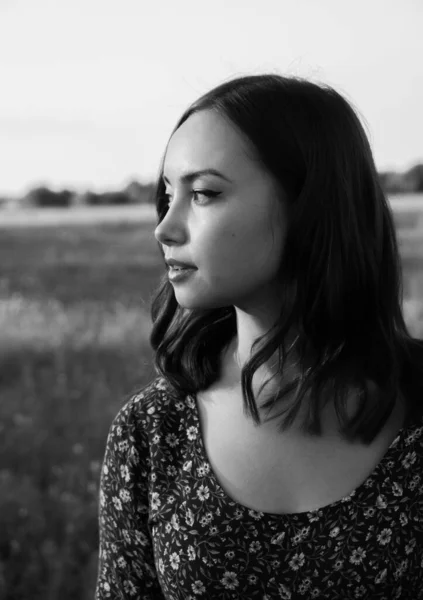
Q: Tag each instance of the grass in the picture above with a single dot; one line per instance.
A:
(74, 317)
(74, 314)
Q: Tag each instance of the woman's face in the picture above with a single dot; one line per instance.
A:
(234, 239)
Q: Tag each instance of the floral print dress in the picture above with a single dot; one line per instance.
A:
(168, 531)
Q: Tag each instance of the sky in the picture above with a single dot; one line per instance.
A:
(91, 89)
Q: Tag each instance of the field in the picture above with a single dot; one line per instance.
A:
(74, 318)
(74, 312)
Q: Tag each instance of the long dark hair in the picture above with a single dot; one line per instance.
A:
(341, 268)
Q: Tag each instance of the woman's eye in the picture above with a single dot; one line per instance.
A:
(205, 193)
(196, 193)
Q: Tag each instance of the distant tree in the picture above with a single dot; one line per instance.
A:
(135, 192)
(409, 182)
(92, 199)
(139, 193)
(392, 182)
(42, 197)
(107, 198)
(150, 193)
(116, 198)
(414, 177)
(80, 199)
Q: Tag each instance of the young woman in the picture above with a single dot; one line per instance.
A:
(279, 452)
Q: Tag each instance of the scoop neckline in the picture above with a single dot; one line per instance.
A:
(303, 514)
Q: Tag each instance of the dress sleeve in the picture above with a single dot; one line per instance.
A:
(126, 568)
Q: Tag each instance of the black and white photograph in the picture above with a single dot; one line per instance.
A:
(211, 300)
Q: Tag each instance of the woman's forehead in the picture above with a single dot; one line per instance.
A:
(206, 140)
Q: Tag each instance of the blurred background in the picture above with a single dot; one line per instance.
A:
(90, 91)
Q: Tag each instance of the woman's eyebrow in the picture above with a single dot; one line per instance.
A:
(189, 177)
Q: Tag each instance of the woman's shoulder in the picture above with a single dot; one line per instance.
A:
(407, 448)
(143, 407)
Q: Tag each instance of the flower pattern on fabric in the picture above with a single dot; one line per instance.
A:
(168, 531)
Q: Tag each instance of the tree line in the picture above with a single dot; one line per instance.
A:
(408, 182)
